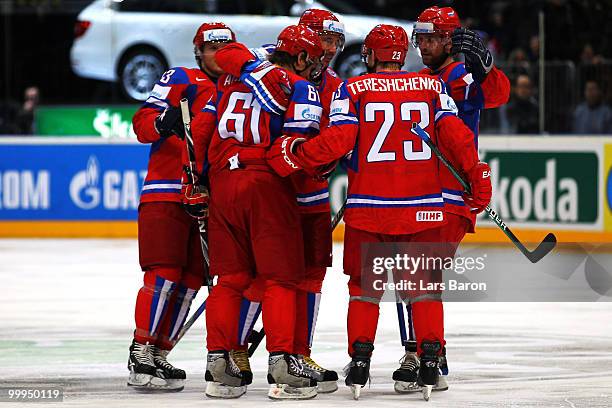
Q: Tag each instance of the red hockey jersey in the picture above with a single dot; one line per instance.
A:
(244, 130)
(470, 98)
(394, 183)
(167, 155)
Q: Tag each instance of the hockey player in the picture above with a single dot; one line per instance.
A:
(168, 237)
(254, 226)
(312, 197)
(474, 85)
(393, 177)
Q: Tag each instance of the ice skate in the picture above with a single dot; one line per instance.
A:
(429, 367)
(326, 379)
(223, 377)
(174, 377)
(241, 358)
(442, 383)
(405, 377)
(143, 373)
(358, 370)
(289, 379)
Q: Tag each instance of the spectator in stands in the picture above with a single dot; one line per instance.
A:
(593, 116)
(25, 116)
(521, 114)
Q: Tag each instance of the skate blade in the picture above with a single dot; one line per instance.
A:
(404, 387)
(356, 390)
(327, 387)
(427, 392)
(218, 390)
(287, 392)
(139, 380)
(442, 384)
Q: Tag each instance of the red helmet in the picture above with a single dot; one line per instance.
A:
(323, 22)
(436, 20)
(298, 38)
(389, 43)
(213, 32)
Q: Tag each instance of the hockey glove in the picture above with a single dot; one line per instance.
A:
(170, 122)
(269, 84)
(478, 59)
(479, 178)
(280, 156)
(195, 200)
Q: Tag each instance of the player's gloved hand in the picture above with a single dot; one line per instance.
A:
(170, 122)
(479, 178)
(280, 155)
(478, 59)
(323, 173)
(194, 199)
(269, 84)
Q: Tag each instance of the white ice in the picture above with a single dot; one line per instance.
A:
(66, 319)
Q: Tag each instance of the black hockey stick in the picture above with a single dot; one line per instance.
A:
(190, 171)
(534, 256)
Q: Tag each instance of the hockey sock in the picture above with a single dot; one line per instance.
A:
(278, 309)
(362, 321)
(174, 319)
(307, 310)
(152, 302)
(223, 311)
(249, 313)
(428, 320)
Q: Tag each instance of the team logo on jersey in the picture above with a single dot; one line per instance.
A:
(429, 216)
(160, 92)
(308, 112)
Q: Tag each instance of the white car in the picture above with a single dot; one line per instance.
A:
(135, 41)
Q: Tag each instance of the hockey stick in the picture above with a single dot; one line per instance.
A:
(190, 171)
(534, 256)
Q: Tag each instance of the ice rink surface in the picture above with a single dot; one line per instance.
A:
(66, 318)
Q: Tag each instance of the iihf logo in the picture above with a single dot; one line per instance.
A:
(84, 189)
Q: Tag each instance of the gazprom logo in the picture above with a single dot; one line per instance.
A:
(84, 187)
(333, 26)
(308, 112)
(219, 34)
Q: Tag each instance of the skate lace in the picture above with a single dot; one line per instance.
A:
(241, 359)
(310, 363)
(409, 361)
(144, 354)
(160, 358)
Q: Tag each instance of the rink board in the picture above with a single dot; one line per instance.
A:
(88, 187)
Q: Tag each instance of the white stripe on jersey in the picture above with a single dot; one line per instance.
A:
(395, 202)
(452, 196)
(313, 198)
(156, 186)
(302, 124)
(338, 118)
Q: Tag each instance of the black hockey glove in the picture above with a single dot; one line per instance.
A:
(170, 122)
(478, 59)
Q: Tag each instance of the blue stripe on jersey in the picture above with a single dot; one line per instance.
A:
(190, 94)
(163, 181)
(361, 201)
(161, 191)
(314, 198)
(276, 126)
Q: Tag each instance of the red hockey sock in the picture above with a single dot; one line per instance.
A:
(362, 321)
(428, 321)
(300, 337)
(152, 302)
(223, 311)
(278, 309)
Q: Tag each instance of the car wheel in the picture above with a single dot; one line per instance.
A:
(139, 70)
(349, 63)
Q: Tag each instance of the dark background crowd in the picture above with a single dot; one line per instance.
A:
(37, 36)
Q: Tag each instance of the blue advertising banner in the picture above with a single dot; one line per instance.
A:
(71, 182)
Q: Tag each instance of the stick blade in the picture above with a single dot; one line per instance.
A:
(547, 245)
